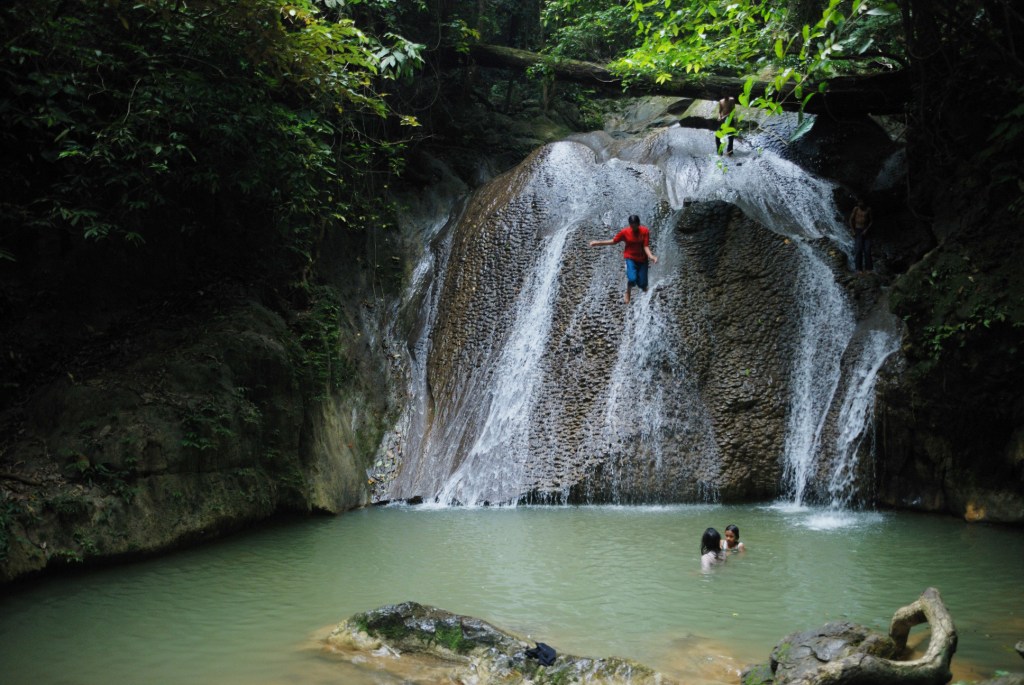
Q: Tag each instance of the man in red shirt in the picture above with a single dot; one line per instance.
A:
(637, 253)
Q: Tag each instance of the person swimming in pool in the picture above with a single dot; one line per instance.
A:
(731, 541)
(711, 552)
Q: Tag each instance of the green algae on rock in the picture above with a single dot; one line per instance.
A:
(471, 650)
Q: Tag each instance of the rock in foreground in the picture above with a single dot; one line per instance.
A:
(471, 650)
(848, 654)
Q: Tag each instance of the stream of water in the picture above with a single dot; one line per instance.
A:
(593, 581)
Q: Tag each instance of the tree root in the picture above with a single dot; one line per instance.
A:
(930, 669)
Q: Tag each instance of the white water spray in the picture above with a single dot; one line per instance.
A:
(826, 323)
(855, 412)
(493, 469)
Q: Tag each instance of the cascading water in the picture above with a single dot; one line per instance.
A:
(826, 323)
(826, 318)
(493, 468)
(529, 377)
(877, 342)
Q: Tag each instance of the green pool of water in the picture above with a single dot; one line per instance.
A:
(594, 581)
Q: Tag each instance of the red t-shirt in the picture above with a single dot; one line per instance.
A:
(634, 246)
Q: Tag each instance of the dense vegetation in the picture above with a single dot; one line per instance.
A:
(171, 123)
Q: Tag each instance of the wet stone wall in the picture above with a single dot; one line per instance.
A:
(541, 384)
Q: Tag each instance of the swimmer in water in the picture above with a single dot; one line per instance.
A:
(731, 542)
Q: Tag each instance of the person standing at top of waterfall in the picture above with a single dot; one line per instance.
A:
(726, 106)
(731, 542)
(711, 549)
(860, 223)
(637, 253)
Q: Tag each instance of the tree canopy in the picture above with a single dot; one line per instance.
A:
(140, 120)
(943, 50)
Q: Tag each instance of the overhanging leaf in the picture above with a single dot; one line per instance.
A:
(805, 126)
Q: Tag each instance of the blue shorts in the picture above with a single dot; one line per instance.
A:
(636, 273)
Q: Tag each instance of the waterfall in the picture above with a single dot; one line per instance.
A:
(793, 203)
(880, 341)
(529, 378)
(826, 323)
(493, 469)
(639, 405)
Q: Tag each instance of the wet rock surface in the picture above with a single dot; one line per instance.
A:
(682, 395)
(799, 657)
(467, 649)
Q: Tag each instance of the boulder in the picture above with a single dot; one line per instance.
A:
(467, 649)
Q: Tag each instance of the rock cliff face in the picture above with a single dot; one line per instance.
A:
(950, 412)
(749, 280)
(946, 435)
(950, 407)
(733, 311)
(536, 381)
(951, 417)
(204, 429)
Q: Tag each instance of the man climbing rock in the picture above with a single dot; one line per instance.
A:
(860, 224)
(726, 106)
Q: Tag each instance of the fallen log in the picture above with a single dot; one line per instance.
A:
(884, 93)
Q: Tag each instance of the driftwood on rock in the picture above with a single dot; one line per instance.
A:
(848, 654)
(884, 93)
(933, 667)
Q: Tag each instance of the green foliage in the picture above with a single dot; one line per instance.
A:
(158, 119)
(754, 38)
(114, 480)
(941, 336)
(204, 425)
(68, 506)
(319, 334)
(399, 58)
(86, 543)
(462, 36)
(249, 412)
(542, 71)
(67, 556)
(587, 29)
(591, 115)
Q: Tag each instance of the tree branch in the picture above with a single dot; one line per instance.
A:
(884, 93)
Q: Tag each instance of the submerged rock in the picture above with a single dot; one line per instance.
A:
(468, 649)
